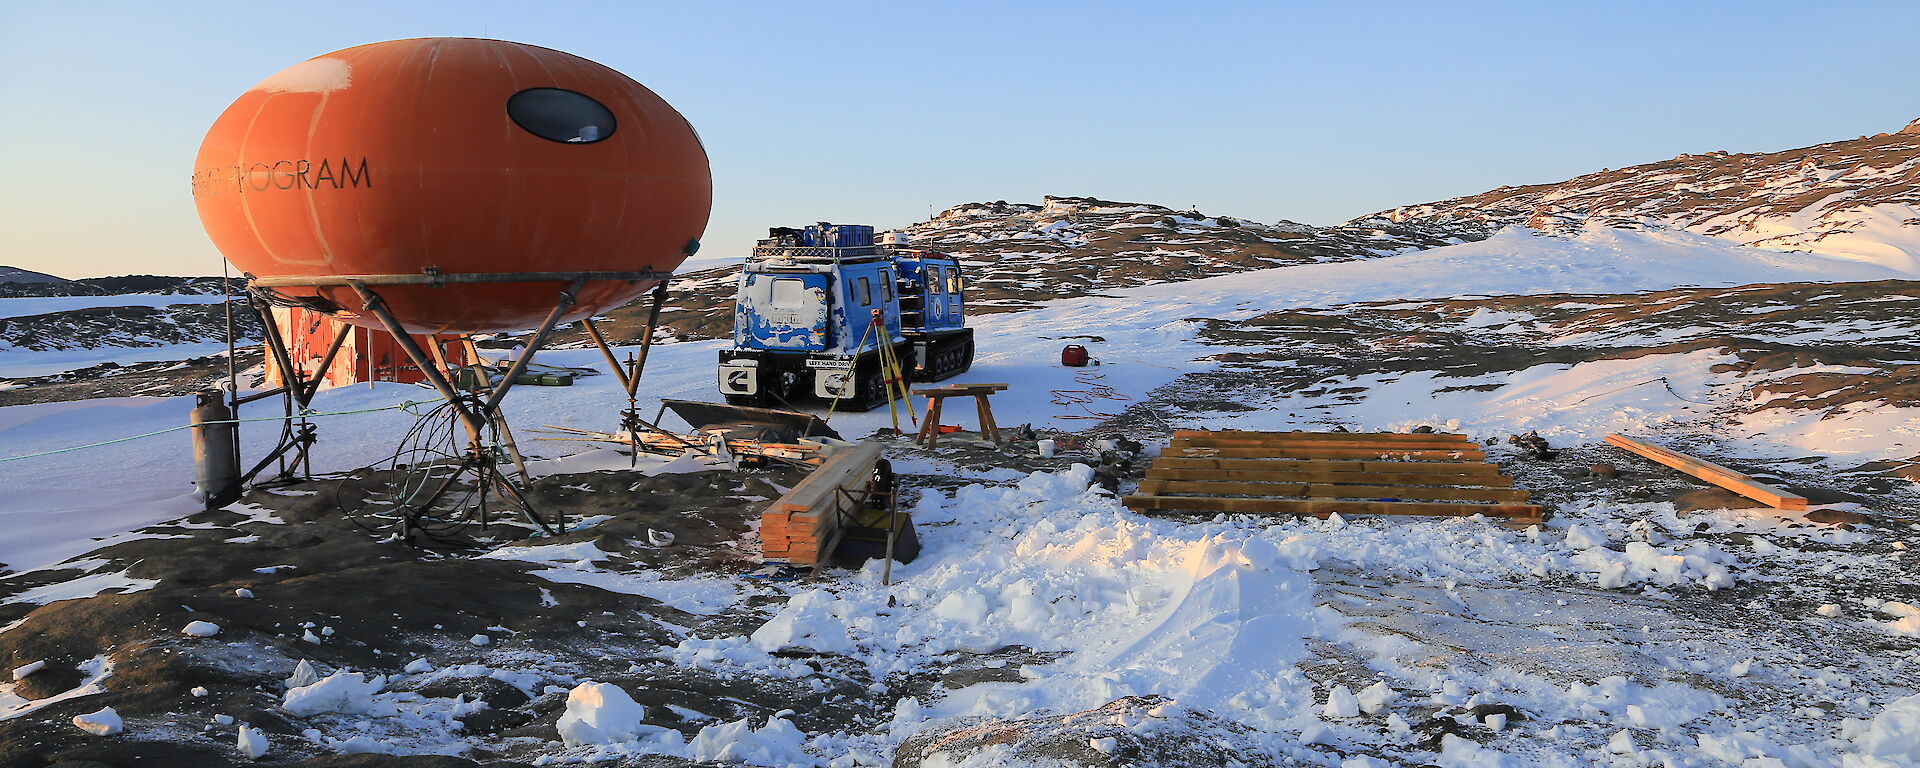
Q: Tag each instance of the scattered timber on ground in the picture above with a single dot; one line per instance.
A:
(670, 444)
(1738, 482)
(1324, 473)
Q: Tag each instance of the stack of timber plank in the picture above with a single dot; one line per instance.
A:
(1322, 473)
(803, 525)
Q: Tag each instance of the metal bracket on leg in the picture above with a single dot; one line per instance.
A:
(629, 374)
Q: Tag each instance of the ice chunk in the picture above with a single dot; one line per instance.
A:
(418, 666)
(1341, 703)
(1456, 752)
(1621, 743)
(966, 607)
(342, 692)
(602, 713)
(105, 722)
(360, 745)
(200, 629)
(243, 592)
(1582, 537)
(480, 640)
(21, 672)
(776, 743)
(809, 621)
(252, 743)
(1027, 612)
(1828, 610)
(223, 719)
(1376, 697)
(303, 674)
(199, 691)
(1612, 576)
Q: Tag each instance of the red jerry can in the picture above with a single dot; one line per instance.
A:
(1073, 356)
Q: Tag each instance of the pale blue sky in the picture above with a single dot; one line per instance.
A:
(1315, 113)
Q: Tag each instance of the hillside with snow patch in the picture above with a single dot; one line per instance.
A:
(1020, 255)
(1857, 199)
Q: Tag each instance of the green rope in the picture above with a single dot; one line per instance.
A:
(406, 406)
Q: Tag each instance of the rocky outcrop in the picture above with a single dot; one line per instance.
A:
(1135, 730)
(1858, 198)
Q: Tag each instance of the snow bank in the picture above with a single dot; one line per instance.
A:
(1891, 739)
(97, 669)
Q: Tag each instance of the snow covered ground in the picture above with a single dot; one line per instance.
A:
(1607, 638)
(1147, 334)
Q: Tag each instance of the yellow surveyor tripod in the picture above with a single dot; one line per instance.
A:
(892, 379)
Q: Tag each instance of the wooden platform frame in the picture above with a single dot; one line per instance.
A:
(1323, 473)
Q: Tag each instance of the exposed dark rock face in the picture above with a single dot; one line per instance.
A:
(15, 283)
(126, 327)
(1135, 730)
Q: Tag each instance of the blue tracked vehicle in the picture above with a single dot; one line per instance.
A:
(815, 306)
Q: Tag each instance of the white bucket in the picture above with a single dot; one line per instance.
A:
(1046, 448)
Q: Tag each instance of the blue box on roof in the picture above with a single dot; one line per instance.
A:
(837, 236)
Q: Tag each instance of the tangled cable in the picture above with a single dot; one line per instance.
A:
(1093, 392)
(432, 454)
(281, 299)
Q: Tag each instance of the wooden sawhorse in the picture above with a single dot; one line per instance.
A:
(930, 428)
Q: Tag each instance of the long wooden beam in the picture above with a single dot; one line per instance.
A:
(1396, 454)
(1158, 487)
(1331, 465)
(1236, 434)
(1324, 507)
(1490, 480)
(1739, 483)
(1281, 443)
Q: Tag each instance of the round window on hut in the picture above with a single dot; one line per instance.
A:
(557, 114)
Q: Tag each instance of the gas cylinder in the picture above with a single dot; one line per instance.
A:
(216, 458)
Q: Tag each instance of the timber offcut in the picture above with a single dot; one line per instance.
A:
(1323, 473)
